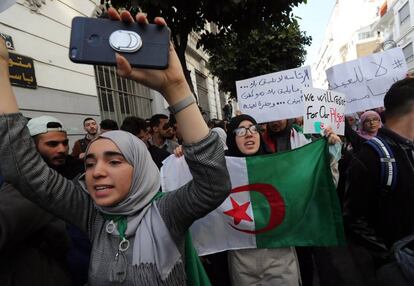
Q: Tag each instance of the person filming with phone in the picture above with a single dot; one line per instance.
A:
(138, 236)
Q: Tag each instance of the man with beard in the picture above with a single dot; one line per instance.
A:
(35, 248)
(138, 127)
(282, 135)
(91, 128)
(53, 144)
(161, 131)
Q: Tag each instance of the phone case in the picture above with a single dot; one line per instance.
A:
(95, 41)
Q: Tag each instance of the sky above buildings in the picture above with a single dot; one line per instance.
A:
(315, 17)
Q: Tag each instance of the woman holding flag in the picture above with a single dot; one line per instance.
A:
(278, 266)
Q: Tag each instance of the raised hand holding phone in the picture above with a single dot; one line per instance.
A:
(170, 82)
(95, 41)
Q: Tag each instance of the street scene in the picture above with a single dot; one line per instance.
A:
(229, 143)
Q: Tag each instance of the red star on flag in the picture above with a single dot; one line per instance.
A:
(238, 212)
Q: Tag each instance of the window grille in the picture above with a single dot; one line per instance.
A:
(119, 97)
(202, 91)
(408, 52)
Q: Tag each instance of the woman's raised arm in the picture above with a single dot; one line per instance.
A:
(171, 83)
(8, 103)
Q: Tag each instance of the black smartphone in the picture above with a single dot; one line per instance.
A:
(95, 41)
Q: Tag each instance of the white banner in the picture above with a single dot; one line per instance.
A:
(323, 108)
(5, 4)
(274, 96)
(214, 233)
(366, 80)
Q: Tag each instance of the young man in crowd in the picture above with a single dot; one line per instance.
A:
(161, 131)
(228, 110)
(379, 197)
(91, 128)
(138, 127)
(108, 125)
(37, 248)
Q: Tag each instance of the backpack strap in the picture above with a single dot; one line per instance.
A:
(388, 164)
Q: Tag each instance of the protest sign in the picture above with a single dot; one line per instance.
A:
(323, 108)
(274, 96)
(366, 80)
(5, 4)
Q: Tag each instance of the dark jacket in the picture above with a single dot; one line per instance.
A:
(78, 256)
(157, 154)
(80, 146)
(375, 217)
(72, 168)
(33, 243)
(36, 248)
(353, 138)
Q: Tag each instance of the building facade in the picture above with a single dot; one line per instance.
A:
(40, 30)
(205, 85)
(38, 34)
(396, 23)
(348, 35)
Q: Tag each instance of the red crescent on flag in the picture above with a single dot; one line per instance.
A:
(276, 203)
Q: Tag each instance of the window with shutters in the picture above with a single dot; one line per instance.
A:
(404, 16)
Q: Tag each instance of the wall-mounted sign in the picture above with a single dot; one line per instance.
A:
(9, 41)
(22, 71)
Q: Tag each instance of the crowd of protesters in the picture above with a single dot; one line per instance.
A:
(97, 216)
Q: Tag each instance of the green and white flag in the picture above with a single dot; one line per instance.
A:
(278, 200)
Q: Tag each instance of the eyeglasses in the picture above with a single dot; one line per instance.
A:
(372, 120)
(242, 131)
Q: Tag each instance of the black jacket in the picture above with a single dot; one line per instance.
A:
(33, 243)
(157, 154)
(374, 216)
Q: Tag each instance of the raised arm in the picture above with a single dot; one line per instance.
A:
(208, 189)
(22, 165)
(203, 150)
(171, 83)
(7, 98)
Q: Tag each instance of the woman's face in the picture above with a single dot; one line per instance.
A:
(371, 124)
(249, 143)
(108, 175)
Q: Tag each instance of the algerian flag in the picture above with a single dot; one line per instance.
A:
(278, 200)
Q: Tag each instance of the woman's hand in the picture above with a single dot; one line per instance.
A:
(169, 82)
(331, 136)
